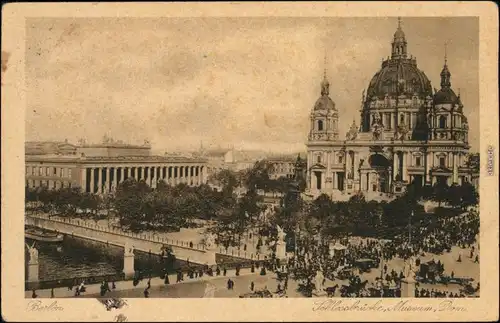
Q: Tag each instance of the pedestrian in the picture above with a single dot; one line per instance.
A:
(166, 281)
(476, 260)
(229, 284)
(459, 258)
(149, 283)
(252, 285)
(217, 271)
(252, 269)
(263, 271)
(146, 293)
(452, 275)
(113, 286)
(52, 293)
(225, 271)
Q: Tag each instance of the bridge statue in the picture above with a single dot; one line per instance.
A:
(318, 280)
(128, 260)
(128, 249)
(281, 234)
(280, 243)
(319, 286)
(33, 254)
(210, 241)
(33, 266)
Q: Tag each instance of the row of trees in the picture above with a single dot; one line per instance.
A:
(457, 196)
(69, 201)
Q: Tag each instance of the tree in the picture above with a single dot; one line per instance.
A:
(473, 162)
(469, 195)
(439, 192)
(427, 192)
(130, 195)
(454, 195)
(258, 176)
(227, 179)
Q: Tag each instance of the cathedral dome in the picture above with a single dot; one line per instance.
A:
(399, 76)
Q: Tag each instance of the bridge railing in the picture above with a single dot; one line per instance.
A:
(46, 284)
(152, 237)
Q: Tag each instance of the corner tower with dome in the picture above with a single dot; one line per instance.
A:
(407, 134)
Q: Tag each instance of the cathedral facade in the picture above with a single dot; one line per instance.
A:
(408, 133)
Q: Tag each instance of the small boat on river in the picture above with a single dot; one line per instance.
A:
(42, 235)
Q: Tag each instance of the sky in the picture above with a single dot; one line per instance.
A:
(247, 82)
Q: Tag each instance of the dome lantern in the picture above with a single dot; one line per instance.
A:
(399, 49)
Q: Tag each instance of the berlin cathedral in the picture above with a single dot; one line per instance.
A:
(408, 133)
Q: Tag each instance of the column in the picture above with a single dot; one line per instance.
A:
(347, 164)
(455, 168)
(99, 180)
(407, 164)
(188, 175)
(128, 172)
(367, 188)
(313, 182)
(115, 176)
(200, 175)
(107, 183)
(83, 180)
(92, 184)
(335, 181)
(154, 176)
(395, 166)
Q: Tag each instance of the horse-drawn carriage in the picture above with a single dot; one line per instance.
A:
(365, 265)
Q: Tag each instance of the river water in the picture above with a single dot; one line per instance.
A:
(75, 257)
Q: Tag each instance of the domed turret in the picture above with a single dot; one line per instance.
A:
(324, 116)
(324, 102)
(446, 93)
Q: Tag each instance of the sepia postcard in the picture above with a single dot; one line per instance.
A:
(184, 161)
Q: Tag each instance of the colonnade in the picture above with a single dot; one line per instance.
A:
(103, 179)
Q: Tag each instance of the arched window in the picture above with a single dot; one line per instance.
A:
(320, 125)
(402, 118)
(442, 122)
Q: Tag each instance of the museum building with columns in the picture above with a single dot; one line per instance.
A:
(407, 133)
(99, 168)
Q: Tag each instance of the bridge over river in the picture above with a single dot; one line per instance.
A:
(144, 242)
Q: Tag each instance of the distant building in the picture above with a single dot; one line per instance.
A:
(283, 166)
(230, 158)
(99, 168)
